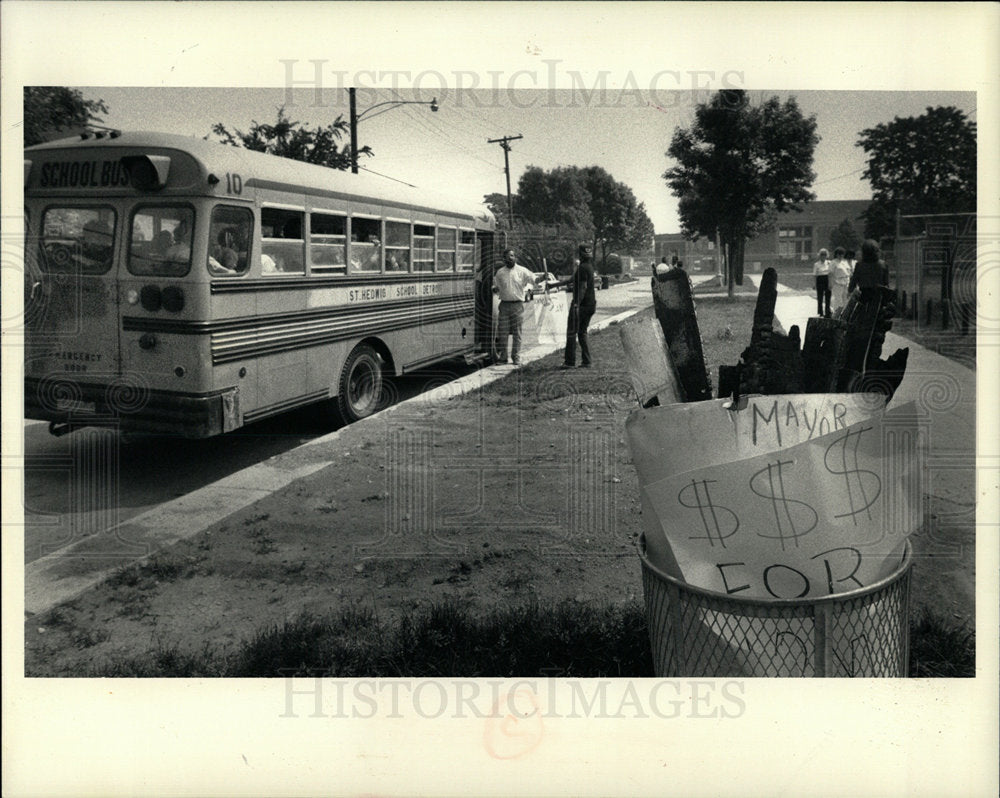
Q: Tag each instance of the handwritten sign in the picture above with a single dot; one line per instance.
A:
(791, 497)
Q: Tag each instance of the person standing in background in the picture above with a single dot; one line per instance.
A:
(510, 283)
(821, 273)
(842, 269)
(870, 271)
(581, 309)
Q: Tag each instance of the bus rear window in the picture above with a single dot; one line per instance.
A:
(161, 241)
(78, 240)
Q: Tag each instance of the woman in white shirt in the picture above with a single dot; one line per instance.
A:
(842, 269)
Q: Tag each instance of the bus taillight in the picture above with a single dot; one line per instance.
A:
(151, 298)
(173, 299)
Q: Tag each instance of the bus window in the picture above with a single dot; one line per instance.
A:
(446, 249)
(466, 251)
(397, 246)
(366, 246)
(229, 240)
(78, 240)
(283, 244)
(423, 248)
(161, 241)
(327, 243)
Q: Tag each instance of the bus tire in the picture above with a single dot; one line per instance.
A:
(360, 387)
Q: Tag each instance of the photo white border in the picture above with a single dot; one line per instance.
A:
(834, 737)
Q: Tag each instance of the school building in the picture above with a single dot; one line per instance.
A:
(795, 238)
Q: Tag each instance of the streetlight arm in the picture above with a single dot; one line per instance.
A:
(356, 117)
(433, 104)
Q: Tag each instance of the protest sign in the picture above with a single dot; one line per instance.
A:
(790, 497)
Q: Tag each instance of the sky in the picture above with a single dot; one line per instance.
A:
(625, 132)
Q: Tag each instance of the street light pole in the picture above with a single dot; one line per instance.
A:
(356, 117)
(354, 131)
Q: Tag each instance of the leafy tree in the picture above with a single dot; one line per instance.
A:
(619, 220)
(587, 204)
(739, 164)
(555, 197)
(844, 235)
(923, 164)
(289, 139)
(54, 111)
(497, 203)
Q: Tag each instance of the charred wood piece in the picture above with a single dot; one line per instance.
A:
(839, 355)
(674, 307)
(773, 361)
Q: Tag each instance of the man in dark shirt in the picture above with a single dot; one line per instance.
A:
(583, 303)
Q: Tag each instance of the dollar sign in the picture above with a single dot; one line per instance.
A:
(709, 511)
(866, 486)
(792, 521)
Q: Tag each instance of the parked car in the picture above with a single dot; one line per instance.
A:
(542, 280)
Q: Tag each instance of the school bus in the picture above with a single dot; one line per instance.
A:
(181, 286)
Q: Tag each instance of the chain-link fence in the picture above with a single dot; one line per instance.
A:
(932, 264)
(696, 632)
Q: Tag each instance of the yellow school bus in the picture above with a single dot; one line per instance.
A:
(182, 286)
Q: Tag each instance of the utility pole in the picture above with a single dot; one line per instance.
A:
(505, 143)
(354, 131)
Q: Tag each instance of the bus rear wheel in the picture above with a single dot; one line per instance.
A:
(360, 384)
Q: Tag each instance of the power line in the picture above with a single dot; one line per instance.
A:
(846, 174)
(387, 177)
(434, 129)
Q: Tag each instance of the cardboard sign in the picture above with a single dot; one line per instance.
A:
(791, 497)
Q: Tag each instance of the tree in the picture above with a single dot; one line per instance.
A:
(923, 164)
(844, 235)
(587, 204)
(738, 165)
(556, 197)
(497, 203)
(289, 139)
(54, 111)
(619, 220)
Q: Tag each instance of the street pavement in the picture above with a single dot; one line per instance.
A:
(943, 391)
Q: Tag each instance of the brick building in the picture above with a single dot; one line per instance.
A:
(795, 238)
(798, 236)
(695, 255)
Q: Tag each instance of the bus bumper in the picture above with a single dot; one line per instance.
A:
(89, 405)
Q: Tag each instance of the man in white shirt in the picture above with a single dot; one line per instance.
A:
(821, 271)
(510, 283)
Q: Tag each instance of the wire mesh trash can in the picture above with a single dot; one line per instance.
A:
(701, 633)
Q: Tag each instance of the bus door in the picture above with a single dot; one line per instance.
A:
(484, 293)
(71, 303)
